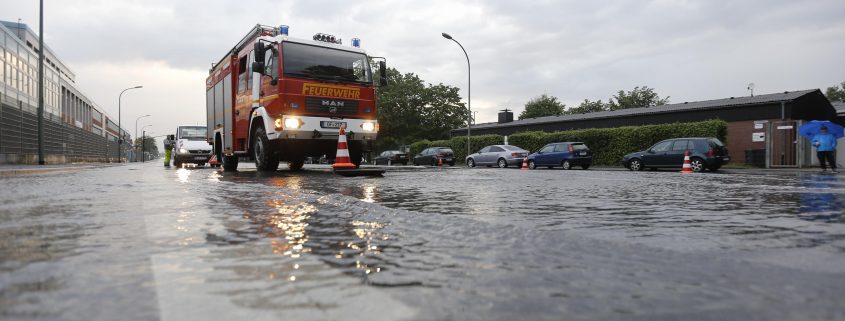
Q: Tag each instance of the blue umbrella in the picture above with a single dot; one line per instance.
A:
(812, 128)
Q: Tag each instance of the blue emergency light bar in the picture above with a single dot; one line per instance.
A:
(356, 42)
(283, 30)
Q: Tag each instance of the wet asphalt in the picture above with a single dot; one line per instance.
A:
(140, 242)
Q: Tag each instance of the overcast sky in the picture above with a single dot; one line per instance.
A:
(575, 50)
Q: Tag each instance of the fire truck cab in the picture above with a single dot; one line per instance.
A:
(275, 98)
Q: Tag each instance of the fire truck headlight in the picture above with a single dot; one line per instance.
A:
(292, 123)
(368, 126)
(183, 151)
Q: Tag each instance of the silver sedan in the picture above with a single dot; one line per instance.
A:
(498, 155)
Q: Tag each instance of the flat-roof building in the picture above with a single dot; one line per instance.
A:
(75, 128)
(757, 125)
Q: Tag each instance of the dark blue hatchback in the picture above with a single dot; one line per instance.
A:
(564, 155)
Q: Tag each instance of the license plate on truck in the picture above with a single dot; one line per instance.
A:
(200, 158)
(332, 124)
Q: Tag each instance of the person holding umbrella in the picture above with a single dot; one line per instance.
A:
(823, 135)
(825, 144)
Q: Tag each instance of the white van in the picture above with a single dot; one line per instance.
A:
(191, 146)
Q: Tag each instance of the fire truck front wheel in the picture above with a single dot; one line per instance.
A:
(230, 163)
(265, 159)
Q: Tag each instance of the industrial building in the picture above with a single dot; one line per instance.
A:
(762, 129)
(75, 128)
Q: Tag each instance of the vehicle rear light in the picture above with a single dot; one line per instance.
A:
(711, 152)
(571, 149)
(514, 154)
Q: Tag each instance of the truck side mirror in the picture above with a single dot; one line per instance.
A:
(259, 51)
(382, 66)
(258, 66)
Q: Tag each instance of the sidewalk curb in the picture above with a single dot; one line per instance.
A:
(35, 171)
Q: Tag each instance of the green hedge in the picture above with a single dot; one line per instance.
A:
(608, 144)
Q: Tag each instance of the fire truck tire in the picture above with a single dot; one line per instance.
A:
(230, 163)
(265, 160)
(296, 166)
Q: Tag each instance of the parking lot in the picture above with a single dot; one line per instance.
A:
(422, 243)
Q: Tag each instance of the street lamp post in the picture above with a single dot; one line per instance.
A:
(41, 160)
(469, 90)
(120, 127)
(144, 143)
(136, 133)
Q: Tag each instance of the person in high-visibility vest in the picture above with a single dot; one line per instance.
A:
(169, 142)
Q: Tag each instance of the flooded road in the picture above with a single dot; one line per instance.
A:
(144, 243)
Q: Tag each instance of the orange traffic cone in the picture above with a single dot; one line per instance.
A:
(342, 160)
(525, 163)
(687, 169)
(213, 160)
(440, 162)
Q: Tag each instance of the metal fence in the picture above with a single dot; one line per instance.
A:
(63, 143)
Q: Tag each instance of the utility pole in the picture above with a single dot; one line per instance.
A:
(40, 82)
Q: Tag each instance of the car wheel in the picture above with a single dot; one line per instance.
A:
(697, 164)
(470, 162)
(296, 166)
(415, 163)
(531, 165)
(585, 167)
(566, 165)
(502, 163)
(635, 165)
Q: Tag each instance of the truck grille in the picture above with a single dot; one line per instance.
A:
(330, 106)
(199, 151)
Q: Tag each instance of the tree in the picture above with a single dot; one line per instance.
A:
(150, 146)
(409, 110)
(587, 106)
(639, 97)
(836, 93)
(543, 105)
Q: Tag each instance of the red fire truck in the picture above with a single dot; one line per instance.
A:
(275, 98)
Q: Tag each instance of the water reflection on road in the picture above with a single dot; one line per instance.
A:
(429, 244)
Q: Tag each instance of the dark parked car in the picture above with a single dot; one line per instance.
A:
(431, 156)
(499, 155)
(705, 153)
(565, 155)
(393, 156)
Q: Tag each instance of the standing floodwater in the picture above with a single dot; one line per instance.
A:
(141, 242)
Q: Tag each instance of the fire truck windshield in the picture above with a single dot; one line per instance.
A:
(307, 61)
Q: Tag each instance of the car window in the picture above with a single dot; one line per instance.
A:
(425, 151)
(484, 150)
(496, 149)
(579, 146)
(680, 145)
(383, 154)
(662, 146)
(715, 142)
(446, 150)
(547, 149)
(511, 147)
(561, 148)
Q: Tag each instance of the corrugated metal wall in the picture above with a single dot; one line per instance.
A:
(63, 143)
